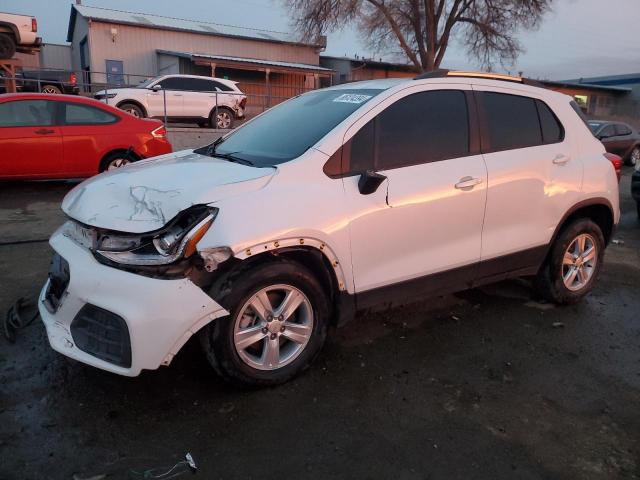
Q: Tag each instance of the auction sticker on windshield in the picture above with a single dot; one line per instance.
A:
(352, 98)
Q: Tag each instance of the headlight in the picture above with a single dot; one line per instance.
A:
(176, 241)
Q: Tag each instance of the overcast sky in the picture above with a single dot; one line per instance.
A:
(579, 38)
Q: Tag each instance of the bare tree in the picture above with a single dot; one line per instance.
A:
(423, 29)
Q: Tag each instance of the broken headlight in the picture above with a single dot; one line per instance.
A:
(174, 242)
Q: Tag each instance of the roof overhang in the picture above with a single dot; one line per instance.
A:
(586, 86)
(253, 64)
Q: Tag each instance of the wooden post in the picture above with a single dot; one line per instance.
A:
(213, 69)
(268, 83)
(9, 68)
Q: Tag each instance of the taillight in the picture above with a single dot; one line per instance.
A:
(73, 79)
(159, 132)
(616, 161)
(34, 25)
(243, 102)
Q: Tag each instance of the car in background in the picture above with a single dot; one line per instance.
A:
(18, 33)
(189, 99)
(635, 187)
(618, 138)
(45, 81)
(45, 136)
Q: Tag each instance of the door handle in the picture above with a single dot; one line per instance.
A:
(561, 159)
(44, 131)
(467, 183)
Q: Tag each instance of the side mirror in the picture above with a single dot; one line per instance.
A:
(369, 182)
(157, 87)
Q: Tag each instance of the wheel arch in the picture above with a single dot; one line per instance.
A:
(133, 102)
(599, 210)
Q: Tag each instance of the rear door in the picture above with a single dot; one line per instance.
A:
(624, 139)
(30, 140)
(534, 177)
(426, 218)
(88, 133)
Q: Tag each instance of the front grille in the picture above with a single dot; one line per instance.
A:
(58, 282)
(102, 334)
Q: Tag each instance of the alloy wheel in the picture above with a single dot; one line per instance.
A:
(132, 111)
(50, 90)
(117, 163)
(273, 327)
(635, 156)
(579, 262)
(223, 120)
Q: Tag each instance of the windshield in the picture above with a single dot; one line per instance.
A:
(146, 83)
(594, 126)
(291, 128)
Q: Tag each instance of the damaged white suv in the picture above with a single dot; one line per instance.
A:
(353, 197)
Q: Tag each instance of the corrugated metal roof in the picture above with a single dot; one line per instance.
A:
(170, 23)
(256, 61)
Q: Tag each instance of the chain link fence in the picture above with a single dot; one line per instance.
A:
(183, 107)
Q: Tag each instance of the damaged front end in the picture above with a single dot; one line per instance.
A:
(169, 252)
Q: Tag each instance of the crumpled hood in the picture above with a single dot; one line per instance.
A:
(145, 195)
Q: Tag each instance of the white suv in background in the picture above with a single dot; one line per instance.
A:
(359, 196)
(189, 99)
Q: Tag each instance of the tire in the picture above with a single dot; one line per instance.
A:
(249, 366)
(554, 280)
(7, 46)
(132, 109)
(634, 157)
(225, 118)
(115, 160)
(51, 89)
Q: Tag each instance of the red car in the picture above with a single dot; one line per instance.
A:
(64, 136)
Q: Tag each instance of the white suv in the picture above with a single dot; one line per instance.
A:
(353, 197)
(188, 98)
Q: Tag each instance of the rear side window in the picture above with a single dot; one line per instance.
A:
(76, 114)
(27, 113)
(608, 131)
(622, 130)
(552, 131)
(511, 121)
(421, 128)
(221, 86)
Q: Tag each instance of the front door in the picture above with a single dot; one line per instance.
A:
(30, 140)
(171, 94)
(420, 232)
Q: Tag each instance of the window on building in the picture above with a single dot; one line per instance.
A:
(582, 101)
(552, 130)
(77, 114)
(512, 121)
(27, 113)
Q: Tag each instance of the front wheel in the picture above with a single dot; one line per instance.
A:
(277, 324)
(634, 157)
(573, 264)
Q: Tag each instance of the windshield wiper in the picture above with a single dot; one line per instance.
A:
(231, 156)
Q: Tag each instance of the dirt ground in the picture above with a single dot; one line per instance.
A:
(484, 384)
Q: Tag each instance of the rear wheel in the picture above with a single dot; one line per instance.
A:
(575, 259)
(132, 109)
(277, 324)
(52, 89)
(116, 160)
(222, 118)
(7, 46)
(634, 157)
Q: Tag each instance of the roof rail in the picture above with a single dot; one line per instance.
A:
(444, 73)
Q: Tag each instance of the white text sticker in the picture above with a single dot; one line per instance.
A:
(352, 98)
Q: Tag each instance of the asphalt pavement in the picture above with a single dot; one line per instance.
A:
(485, 384)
